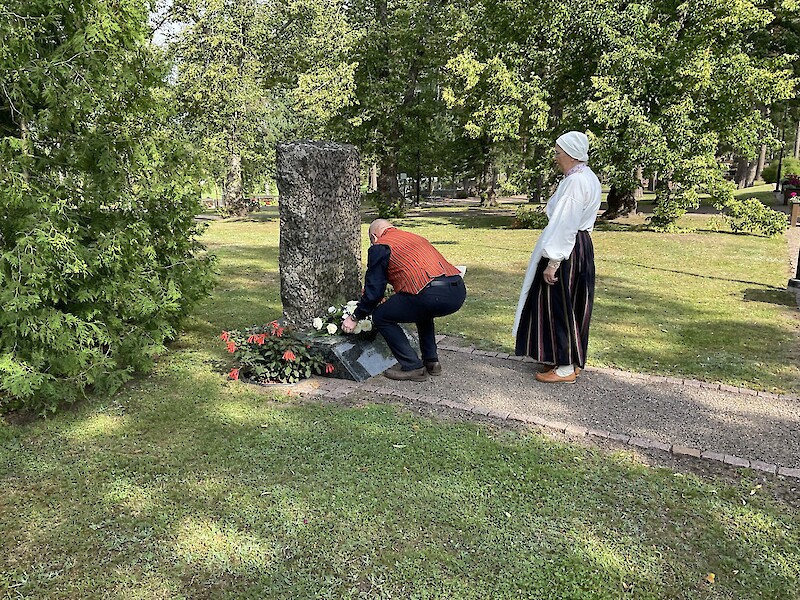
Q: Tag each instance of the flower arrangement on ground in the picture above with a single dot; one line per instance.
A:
(271, 354)
(331, 322)
(791, 180)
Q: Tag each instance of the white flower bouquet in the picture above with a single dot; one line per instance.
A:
(331, 322)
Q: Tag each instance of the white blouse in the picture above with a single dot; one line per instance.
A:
(571, 209)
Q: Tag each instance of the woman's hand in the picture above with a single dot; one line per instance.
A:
(349, 324)
(550, 275)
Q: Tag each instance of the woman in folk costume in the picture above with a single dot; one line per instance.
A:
(555, 305)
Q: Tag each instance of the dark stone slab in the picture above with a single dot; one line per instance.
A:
(357, 357)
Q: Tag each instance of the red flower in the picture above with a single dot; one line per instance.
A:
(234, 374)
(231, 347)
(328, 368)
(260, 339)
(225, 337)
(252, 339)
(289, 355)
(277, 329)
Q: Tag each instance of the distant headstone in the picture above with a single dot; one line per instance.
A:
(320, 227)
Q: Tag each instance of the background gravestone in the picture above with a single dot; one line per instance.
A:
(320, 230)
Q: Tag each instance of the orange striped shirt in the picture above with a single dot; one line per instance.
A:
(413, 261)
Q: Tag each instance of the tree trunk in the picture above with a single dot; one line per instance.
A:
(488, 194)
(621, 203)
(741, 172)
(373, 177)
(234, 195)
(797, 141)
(762, 159)
(535, 184)
(638, 193)
(750, 177)
(387, 181)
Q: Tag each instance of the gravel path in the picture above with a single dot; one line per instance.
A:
(683, 416)
(739, 423)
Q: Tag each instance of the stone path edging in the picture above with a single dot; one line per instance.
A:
(336, 389)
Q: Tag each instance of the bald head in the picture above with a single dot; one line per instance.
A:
(377, 227)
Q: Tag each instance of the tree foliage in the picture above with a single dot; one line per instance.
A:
(678, 85)
(250, 73)
(98, 255)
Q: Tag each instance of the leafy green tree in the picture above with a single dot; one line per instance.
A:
(250, 73)
(520, 78)
(98, 253)
(401, 47)
(676, 86)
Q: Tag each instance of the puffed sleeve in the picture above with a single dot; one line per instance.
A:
(563, 225)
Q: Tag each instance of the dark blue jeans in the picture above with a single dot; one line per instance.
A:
(422, 308)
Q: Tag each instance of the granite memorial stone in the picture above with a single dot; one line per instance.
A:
(320, 227)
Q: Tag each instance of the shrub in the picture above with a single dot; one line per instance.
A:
(752, 216)
(788, 165)
(530, 218)
(792, 180)
(251, 205)
(99, 258)
(271, 354)
(385, 209)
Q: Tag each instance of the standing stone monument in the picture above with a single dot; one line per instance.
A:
(320, 228)
(320, 250)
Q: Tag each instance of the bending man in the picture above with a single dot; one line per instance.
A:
(425, 285)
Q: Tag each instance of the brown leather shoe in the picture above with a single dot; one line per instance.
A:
(399, 375)
(552, 377)
(434, 367)
(551, 368)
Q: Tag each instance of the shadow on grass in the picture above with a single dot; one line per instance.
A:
(194, 488)
(779, 296)
(641, 330)
(681, 272)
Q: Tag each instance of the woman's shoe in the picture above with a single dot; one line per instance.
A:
(553, 377)
(550, 368)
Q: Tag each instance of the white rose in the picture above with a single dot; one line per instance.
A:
(332, 310)
(358, 328)
(317, 323)
(352, 305)
(366, 325)
(332, 328)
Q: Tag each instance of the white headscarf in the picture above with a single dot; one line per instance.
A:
(576, 144)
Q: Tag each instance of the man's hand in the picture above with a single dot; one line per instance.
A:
(349, 324)
(550, 275)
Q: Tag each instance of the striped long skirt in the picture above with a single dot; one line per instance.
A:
(554, 326)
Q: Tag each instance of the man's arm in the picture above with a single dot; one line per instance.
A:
(374, 280)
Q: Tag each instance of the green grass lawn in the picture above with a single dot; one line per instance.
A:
(705, 305)
(186, 485)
